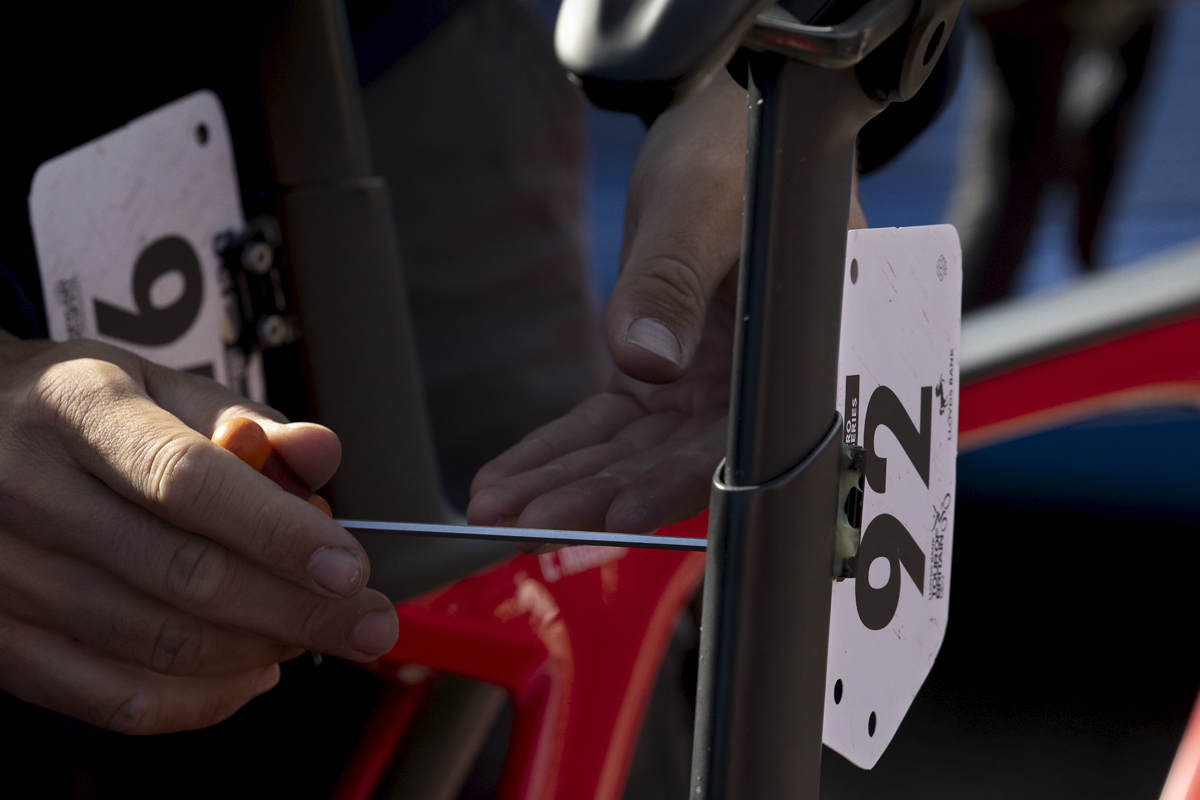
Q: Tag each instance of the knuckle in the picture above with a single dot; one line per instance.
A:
(218, 706)
(671, 285)
(198, 573)
(180, 646)
(178, 473)
(543, 448)
(70, 400)
(274, 539)
(138, 714)
(312, 620)
(26, 507)
(143, 712)
(60, 394)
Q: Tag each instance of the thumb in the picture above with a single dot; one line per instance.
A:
(683, 227)
(656, 315)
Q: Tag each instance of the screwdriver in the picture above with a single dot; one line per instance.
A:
(246, 439)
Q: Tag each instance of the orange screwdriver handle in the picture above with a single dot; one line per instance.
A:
(246, 439)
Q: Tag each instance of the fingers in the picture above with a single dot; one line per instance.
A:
(507, 498)
(311, 451)
(247, 440)
(654, 487)
(675, 488)
(149, 579)
(593, 421)
(111, 429)
(683, 232)
(656, 471)
(51, 670)
(200, 577)
(64, 594)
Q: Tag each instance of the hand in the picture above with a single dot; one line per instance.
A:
(642, 455)
(149, 580)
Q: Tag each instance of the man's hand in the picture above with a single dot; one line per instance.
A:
(642, 454)
(632, 459)
(149, 580)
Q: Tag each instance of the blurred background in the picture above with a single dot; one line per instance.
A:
(1154, 200)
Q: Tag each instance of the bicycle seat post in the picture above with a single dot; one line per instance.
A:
(767, 584)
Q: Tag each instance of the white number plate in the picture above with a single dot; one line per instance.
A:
(124, 228)
(898, 382)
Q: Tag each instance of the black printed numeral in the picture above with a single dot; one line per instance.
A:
(886, 537)
(886, 410)
(150, 325)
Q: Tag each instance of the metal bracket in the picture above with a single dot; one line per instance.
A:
(795, 488)
(250, 259)
(848, 533)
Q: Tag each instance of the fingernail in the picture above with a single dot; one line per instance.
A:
(650, 334)
(377, 632)
(336, 571)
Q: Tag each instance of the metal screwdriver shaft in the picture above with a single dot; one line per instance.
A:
(532, 535)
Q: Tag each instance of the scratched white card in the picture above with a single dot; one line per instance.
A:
(898, 393)
(124, 228)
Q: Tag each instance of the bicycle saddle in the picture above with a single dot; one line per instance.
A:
(641, 55)
(644, 55)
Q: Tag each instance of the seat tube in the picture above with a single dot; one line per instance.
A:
(765, 630)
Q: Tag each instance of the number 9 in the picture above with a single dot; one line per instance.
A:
(886, 537)
(150, 325)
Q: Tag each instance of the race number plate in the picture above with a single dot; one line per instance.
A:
(124, 228)
(898, 382)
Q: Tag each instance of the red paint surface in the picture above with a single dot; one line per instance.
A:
(1164, 356)
(576, 643)
(397, 710)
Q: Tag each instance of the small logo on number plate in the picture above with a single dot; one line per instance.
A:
(897, 391)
